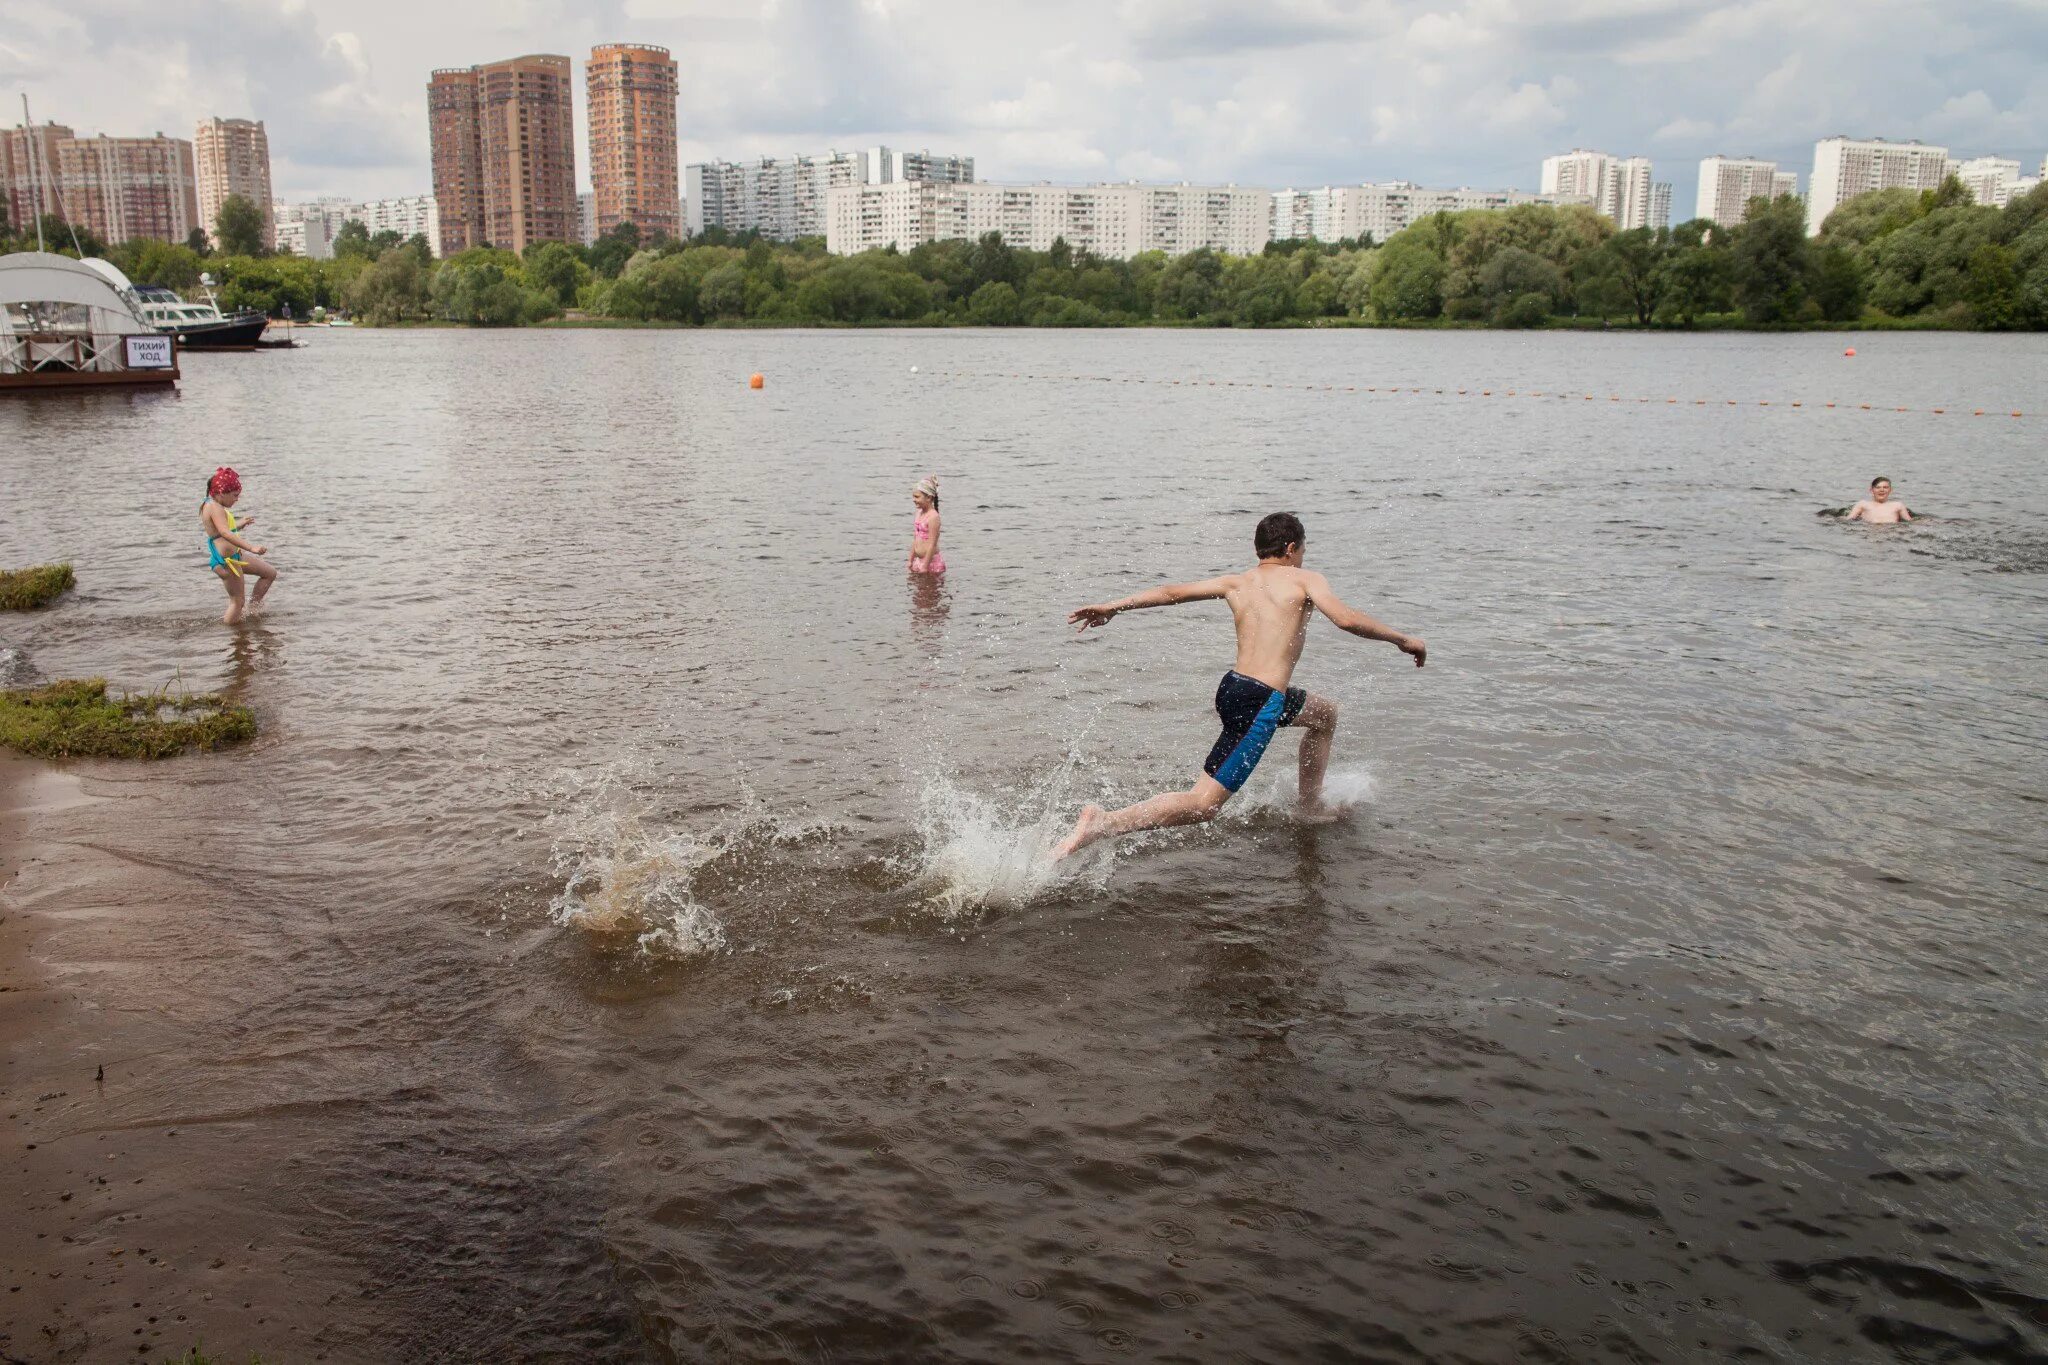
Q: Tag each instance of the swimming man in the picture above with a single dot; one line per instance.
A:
(1879, 508)
(1271, 602)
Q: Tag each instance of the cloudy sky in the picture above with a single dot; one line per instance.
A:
(1273, 93)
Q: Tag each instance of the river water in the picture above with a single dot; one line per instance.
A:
(629, 935)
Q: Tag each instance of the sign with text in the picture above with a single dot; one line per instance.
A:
(149, 353)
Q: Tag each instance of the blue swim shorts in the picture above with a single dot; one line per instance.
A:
(1251, 712)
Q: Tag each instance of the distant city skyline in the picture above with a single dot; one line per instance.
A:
(1459, 94)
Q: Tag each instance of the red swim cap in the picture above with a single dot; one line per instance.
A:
(224, 480)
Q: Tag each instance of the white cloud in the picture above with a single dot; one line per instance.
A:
(1289, 92)
(1684, 130)
(1526, 106)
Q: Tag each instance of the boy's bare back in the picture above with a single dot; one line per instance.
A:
(1272, 604)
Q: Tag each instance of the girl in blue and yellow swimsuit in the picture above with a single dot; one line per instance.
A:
(229, 556)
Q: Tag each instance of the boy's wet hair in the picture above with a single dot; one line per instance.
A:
(1276, 533)
(1878, 480)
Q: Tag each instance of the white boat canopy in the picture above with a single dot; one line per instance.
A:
(47, 300)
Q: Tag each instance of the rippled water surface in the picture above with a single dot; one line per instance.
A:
(629, 934)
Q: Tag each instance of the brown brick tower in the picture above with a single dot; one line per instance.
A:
(631, 89)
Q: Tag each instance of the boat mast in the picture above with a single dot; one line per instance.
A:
(56, 195)
(35, 211)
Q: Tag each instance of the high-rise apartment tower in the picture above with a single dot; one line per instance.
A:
(232, 156)
(784, 197)
(119, 187)
(1845, 167)
(1728, 183)
(504, 140)
(631, 90)
(1618, 186)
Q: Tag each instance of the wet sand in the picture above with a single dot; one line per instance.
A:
(139, 1226)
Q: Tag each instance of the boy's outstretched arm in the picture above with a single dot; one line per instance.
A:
(1170, 595)
(1348, 618)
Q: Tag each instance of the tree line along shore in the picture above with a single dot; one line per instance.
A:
(1892, 258)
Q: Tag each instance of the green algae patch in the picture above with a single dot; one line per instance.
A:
(77, 719)
(27, 589)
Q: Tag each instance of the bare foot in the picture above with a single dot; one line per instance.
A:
(232, 617)
(1092, 825)
(1317, 813)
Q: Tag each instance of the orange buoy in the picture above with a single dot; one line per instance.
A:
(1850, 352)
(755, 381)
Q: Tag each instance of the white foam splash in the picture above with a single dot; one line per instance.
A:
(1275, 792)
(622, 876)
(978, 852)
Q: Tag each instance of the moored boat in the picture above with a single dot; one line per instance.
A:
(199, 326)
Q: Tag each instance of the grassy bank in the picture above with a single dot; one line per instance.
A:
(27, 589)
(77, 719)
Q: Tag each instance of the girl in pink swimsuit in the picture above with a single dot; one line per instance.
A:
(924, 536)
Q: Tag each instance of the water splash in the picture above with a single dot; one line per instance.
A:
(1274, 792)
(978, 852)
(626, 875)
(15, 668)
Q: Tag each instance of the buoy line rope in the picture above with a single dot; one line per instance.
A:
(1569, 395)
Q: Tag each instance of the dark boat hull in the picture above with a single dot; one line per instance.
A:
(239, 333)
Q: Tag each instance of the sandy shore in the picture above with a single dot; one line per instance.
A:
(132, 1227)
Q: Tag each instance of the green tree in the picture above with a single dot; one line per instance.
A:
(1634, 260)
(483, 287)
(1318, 296)
(238, 227)
(1407, 280)
(1951, 194)
(1768, 261)
(992, 258)
(148, 261)
(352, 240)
(268, 283)
(1694, 273)
(555, 269)
(614, 248)
(1861, 221)
(395, 287)
(1187, 285)
(1520, 288)
(1993, 288)
(995, 304)
(197, 241)
(865, 288)
(1925, 266)
(1840, 282)
(66, 239)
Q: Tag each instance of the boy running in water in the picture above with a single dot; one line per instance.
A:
(1271, 602)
